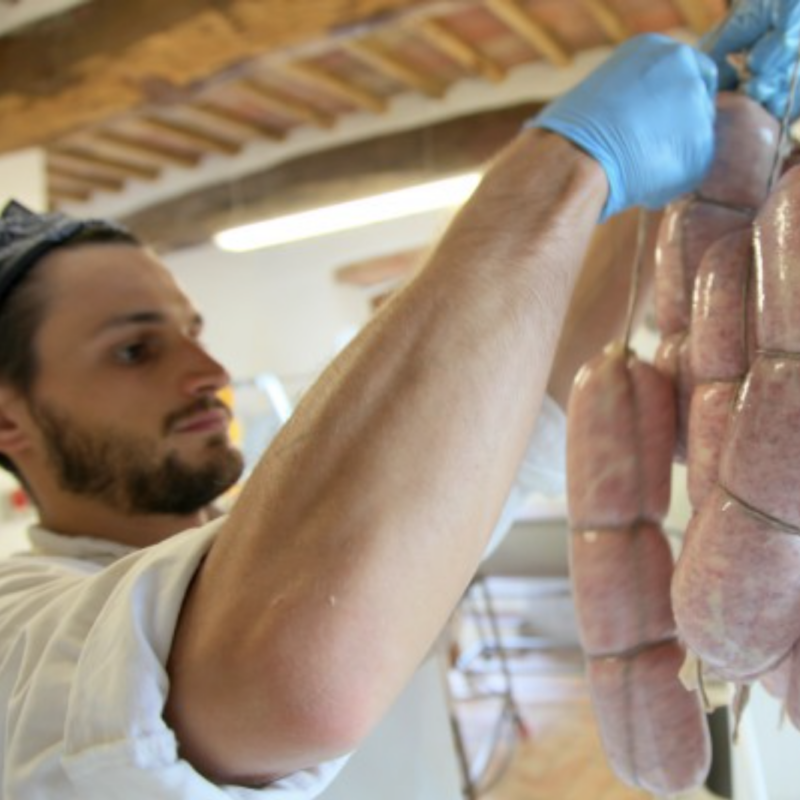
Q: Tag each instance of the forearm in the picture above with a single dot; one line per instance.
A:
(598, 310)
(362, 526)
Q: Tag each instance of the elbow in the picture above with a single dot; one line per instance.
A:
(332, 712)
(238, 732)
(333, 727)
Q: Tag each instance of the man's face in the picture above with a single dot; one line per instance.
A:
(126, 397)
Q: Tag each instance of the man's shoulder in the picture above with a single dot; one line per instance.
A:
(29, 570)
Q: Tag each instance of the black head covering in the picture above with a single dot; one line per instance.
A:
(26, 236)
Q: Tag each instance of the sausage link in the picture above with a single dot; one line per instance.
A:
(746, 138)
(652, 729)
(708, 424)
(720, 349)
(688, 229)
(621, 428)
(615, 466)
(626, 422)
(777, 245)
(736, 591)
(761, 455)
(622, 578)
(672, 358)
(735, 187)
(742, 404)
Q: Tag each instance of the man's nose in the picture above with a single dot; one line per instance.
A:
(205, 374)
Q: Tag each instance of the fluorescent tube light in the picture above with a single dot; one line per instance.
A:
(447, 193)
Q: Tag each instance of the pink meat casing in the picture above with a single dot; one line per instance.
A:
(621, 579)
(673, 360)
(621, 432)
(736, 185)
(653, 731)
(719, 354)
(746, 138)
(736, 589)
(719, 323)
(616, 469)
(689, 227)
(712, 404)
(777, 249)
(761, 458)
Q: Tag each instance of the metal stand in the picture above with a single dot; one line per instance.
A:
(490, 763)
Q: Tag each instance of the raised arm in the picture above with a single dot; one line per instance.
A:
(358, 532)
(598, 309)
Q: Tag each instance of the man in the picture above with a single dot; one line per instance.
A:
(245, 657)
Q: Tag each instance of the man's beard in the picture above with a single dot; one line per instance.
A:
(128, 473)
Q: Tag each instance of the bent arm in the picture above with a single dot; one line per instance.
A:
(363, 524)
(598, 310)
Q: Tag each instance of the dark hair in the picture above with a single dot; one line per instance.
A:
(22, 313)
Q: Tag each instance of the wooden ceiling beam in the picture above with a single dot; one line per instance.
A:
(464, 54)
(126, 169)
(190, 136)
(328, 84)
(229, 119)
(136, 148)
(343, 173)
(510, 12)
(92, 181)
(284, 106)
(110, 56)
(696, 13)
(607, 18)
(59, 193)
(380, 270)
(394, 68)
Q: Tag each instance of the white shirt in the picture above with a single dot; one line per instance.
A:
(543, 470)
(86, 627)
(85, 631)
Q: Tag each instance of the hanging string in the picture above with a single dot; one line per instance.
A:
(785, 132)
(638, 263)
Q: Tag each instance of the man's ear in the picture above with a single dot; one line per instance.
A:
(14, 437)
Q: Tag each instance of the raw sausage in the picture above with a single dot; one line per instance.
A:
(626, 422)
(721, 348)
(746, 139)
(621, 427)
(736, 591)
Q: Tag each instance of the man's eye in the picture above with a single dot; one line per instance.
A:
(134, 353)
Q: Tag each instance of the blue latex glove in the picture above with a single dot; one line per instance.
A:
(647, 115)
(768, 32)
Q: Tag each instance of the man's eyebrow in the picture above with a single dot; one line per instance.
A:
(142, 318)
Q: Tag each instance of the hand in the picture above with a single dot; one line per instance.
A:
(769, 32)
(647, 115)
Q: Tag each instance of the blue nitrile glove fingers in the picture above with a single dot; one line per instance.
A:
(768, 31)
(647, 116)
(739, 31)
(771, 64)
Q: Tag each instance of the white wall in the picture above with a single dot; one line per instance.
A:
(770, 753)
(22, 177)
(279, 310)
(13, 523)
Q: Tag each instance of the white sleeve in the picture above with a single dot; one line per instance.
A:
(543, 469)
(86, 682)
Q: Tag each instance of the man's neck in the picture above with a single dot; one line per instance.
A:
(85, 518)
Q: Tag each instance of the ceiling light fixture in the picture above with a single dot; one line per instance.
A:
(441, 194)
